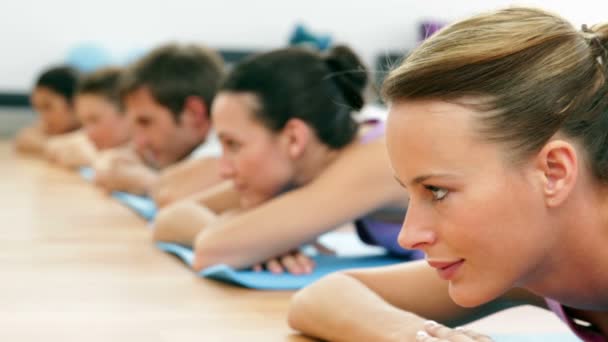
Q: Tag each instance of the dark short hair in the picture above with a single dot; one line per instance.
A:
(174, 72)
(61, 80)
(102, 82)
(321, 89)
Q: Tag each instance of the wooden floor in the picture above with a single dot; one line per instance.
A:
(77, 266)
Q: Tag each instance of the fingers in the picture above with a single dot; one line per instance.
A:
(305, 262)
(274, 266)
(297, 263)
(423, 336)
(294, 263)
(435, 332)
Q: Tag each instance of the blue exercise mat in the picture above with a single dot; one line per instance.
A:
(265, 280)
(144, 206)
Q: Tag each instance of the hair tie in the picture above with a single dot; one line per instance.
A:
(595, 43)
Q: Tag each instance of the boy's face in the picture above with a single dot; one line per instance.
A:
(159, 139)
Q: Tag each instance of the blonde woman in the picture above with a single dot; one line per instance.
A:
(498, 130)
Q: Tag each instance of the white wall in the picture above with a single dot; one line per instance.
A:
(36, 33)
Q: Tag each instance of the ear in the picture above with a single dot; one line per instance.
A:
(558, 163)
(296, 135)
(195, 114)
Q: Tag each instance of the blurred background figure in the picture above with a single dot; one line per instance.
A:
(52, 98)
(167, 96)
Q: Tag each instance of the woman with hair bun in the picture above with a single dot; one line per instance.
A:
(298, 162)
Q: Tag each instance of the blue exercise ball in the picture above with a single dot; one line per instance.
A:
(88, 57)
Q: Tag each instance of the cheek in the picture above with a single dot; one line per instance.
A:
(167, 134)
(152, 134)
(93, 131)
(497, 224)
(105, 132)
(477, 218)
(251, 164)
(62, 112)
(264, 168)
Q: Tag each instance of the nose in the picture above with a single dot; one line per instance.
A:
(91, 134)
(417, 231)
(227, 169)
(140, 140)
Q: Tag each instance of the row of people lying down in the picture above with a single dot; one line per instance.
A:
(141, 128)
(306, 152)
(498, 130)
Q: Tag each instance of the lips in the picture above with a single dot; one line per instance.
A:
(446, 269)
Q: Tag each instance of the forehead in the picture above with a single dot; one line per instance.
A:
(233, 112)
(141, 102)
(90, 104)
(427, 135)
(91, 99)
(431, 115)
(44, 94)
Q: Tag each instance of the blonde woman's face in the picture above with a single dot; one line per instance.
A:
(481, 221)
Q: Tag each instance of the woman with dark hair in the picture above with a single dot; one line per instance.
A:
(299, 165)
(104, 126)
(52, 98)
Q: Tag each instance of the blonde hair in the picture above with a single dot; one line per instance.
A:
(533, 73)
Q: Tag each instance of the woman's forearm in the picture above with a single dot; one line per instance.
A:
(340, 308)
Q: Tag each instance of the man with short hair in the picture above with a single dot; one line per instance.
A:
(167, 96)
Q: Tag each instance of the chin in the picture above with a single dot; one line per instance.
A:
(472, 296)
(250, 200)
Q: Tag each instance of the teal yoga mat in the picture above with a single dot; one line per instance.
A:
(144, 206)
(265, 280)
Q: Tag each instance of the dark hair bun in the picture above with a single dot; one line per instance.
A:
(349, 73)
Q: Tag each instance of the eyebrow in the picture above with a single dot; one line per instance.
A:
(422, 178)
(223, 136)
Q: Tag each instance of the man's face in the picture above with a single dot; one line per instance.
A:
(160, 139)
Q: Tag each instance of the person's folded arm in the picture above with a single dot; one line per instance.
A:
(385, 304)
(355, 184)
(185, 179)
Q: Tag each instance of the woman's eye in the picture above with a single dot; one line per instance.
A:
(438, 193)
(231, 145)
(143, 122)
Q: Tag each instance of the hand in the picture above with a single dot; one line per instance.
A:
(294, 262)
(435, 332)
(69, 151)
(31, 139)
(124, 173)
